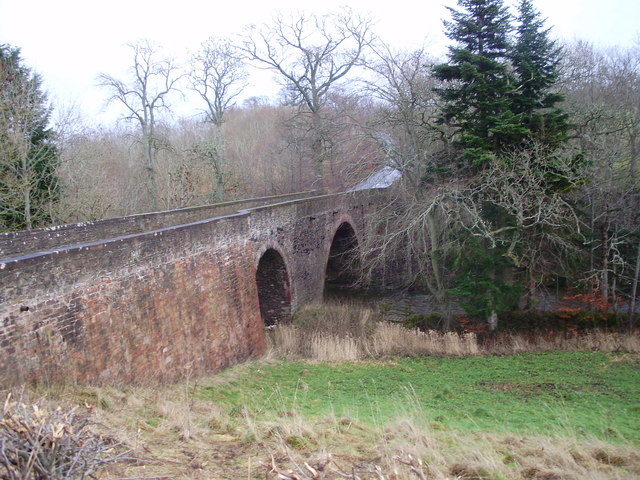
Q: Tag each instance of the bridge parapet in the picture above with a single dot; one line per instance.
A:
(50, 238)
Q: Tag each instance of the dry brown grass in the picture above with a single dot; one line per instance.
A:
(448, 455)
(410, 449)
(290, 341)
(343, 332)
(170, 433)
(596, 340)
(174, 435)
(393, 339)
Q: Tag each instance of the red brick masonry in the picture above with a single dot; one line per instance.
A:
(161, 301)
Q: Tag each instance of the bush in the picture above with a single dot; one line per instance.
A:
(37, 444)
(530, 320)
(425, 322)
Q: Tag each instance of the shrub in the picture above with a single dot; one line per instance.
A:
(425, 322)
(561, 320)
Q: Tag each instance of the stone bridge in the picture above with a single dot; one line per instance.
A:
(153, 297)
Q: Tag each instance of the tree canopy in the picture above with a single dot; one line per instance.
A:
(500, 105)
(478, 82)
(498, 82)
(536, 58)
(28, 153)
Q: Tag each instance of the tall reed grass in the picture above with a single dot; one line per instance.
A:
(349, 332)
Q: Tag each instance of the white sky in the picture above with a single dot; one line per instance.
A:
(70, 41)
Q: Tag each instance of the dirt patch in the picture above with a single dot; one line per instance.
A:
(526, 389)
(206, 457)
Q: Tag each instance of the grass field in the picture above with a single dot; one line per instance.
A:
(577, 394)
(347, 397)
(547, 415)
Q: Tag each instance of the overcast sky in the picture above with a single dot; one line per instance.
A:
(70, 41)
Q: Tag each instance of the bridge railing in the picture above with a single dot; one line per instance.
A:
(50, 238)
(53, 271)
(319, 202)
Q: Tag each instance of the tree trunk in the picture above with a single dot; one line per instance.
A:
(493, 321)
(531, 287)
(614, 290)
(26, 194)
(634, 291)
(592, 229)
(435, 261)
(604, 282)
(219, 161)
(633, 159)
(493, 316)
(317, 151)
(26, 191)
(150, 150)
(440, 292)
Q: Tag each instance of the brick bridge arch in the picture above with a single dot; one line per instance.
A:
(274, 287)
(342, 262)
(149, 297)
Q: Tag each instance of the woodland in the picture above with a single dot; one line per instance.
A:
(518, 152)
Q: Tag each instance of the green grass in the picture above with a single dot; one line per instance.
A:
(582, 394)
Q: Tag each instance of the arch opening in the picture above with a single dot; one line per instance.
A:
(343, 264)
(274, 290)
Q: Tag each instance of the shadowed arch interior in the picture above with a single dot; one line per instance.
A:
(274, 291)
(343, 262)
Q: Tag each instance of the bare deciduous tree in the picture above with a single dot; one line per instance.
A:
(603, 90)
(310, 54)
(432, 226)
(543, 227)
(100, 174)
(255, 146)
(144, 96)
(405, 88)
(218, 74)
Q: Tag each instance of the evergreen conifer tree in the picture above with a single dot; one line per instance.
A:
(28, 153)
(479, 84)
(535, 58)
